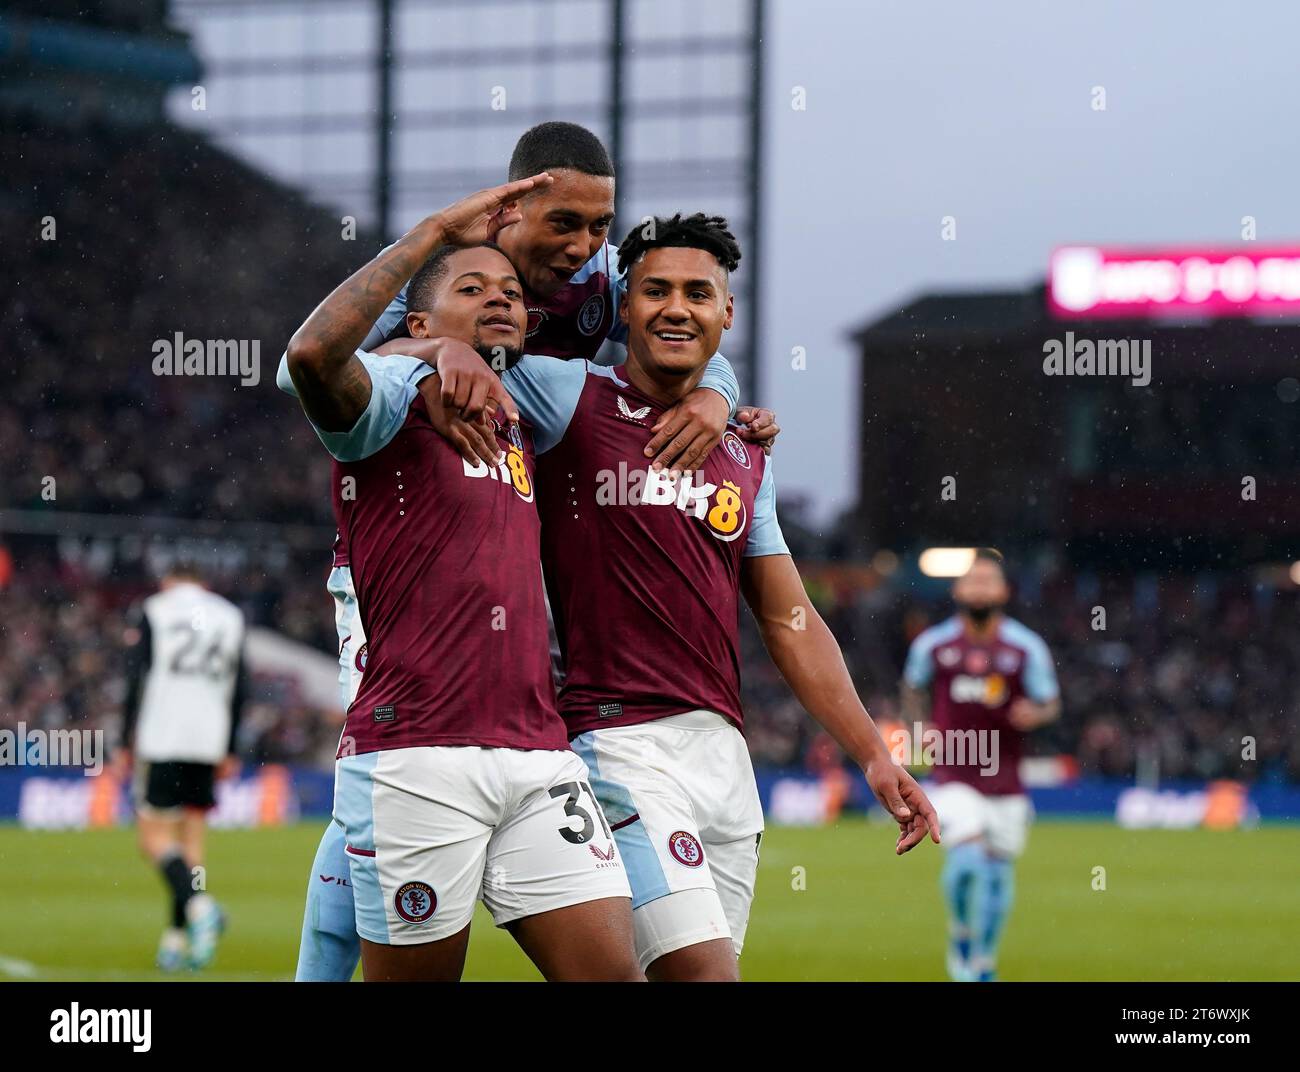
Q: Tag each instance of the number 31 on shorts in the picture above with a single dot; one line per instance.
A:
(572, 793)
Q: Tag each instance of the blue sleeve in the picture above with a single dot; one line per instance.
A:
(765, 536)
(412, 369)
(1040, 674)
(617, 288)
(719, 376)
(282, 378)
(546, 390)
(393, 386)
(919, 670)
(388, 319)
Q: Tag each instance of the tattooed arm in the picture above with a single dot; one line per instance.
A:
(330, 379)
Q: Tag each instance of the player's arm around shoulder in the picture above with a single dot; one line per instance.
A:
(809, 659)
(617, 291)
(686, 432)
(392, 385)
(332, 383)
(548, 390)
(394, 380)
(468, 390)
(460, 392)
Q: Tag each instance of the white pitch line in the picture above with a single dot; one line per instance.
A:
(20, 969)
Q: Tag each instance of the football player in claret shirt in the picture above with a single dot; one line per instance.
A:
(988, 675)
(645, 571)
(557, 236)
(573, 285)
(454, 778)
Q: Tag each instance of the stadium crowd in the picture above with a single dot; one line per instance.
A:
(1183, 673)
(83, 403)
(63, 644)
(1173, 687)
(1192, 678)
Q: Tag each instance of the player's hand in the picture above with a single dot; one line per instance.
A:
(228, 768)
(469, 387)
(758, 426)
(905, 801)
(684, 434)
(471, 430)
(480, 216)
(475, 441)
(1025, 715)
(120, 767)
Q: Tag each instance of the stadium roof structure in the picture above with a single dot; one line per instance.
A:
(385, 109)
(69, 61)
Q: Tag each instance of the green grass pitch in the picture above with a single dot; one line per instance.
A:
(1177, 905)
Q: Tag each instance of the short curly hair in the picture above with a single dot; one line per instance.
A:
(699, 231)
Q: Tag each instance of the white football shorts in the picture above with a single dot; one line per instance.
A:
(680, 796)
(430, 830)
(966, 813)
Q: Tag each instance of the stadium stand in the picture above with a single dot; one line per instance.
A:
(1186, 670)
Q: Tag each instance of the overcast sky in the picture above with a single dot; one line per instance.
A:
(983, 111)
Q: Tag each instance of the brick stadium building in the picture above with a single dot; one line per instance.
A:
(1124, 476)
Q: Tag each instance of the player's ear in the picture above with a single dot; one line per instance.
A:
(623, 308)
(417, 325)
(730, 313)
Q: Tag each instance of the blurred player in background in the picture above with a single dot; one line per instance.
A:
(185, 693)
(651, 642)
(989, 674)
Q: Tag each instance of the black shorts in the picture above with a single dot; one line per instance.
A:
(167, 786)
